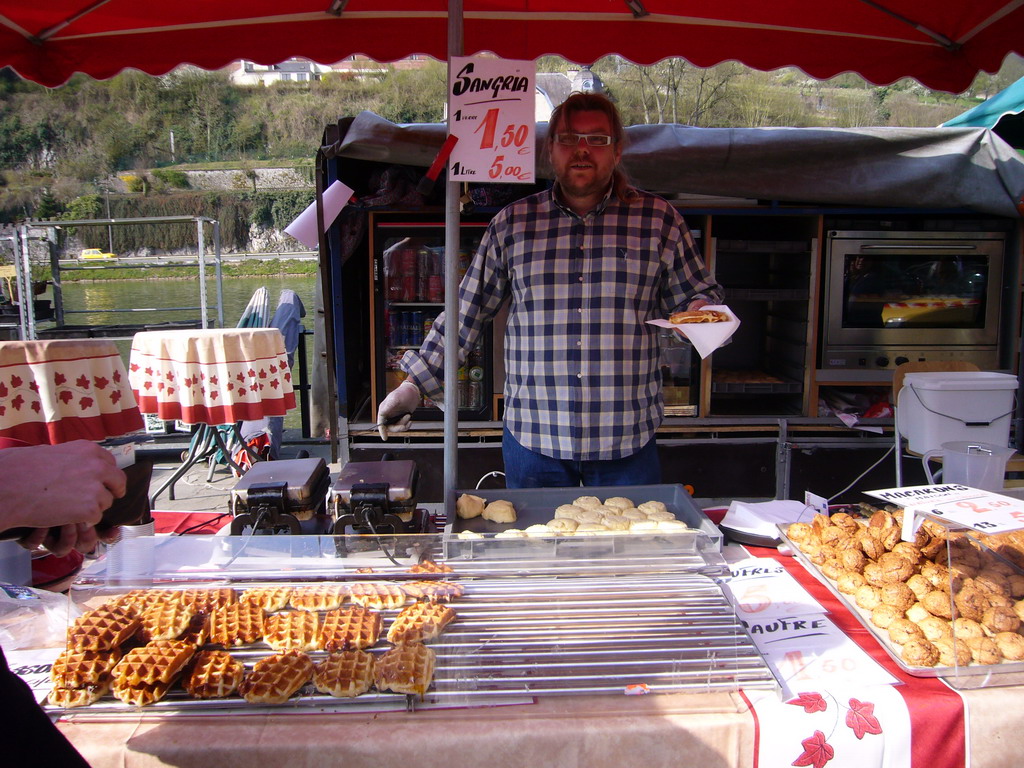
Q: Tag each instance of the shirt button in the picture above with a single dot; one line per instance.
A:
(579, 343)
(581, 278)
(579, 375)
(580, 310)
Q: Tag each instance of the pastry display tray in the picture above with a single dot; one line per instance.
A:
(891, 648)
(516, 638)
(535, 506)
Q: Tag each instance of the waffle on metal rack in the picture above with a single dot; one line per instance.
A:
(381, 595)
(76, 668)
(320, 597)
(405, 669)
(274, 679)
(350, 628)
(235, 624)
(420, 622)
(102, 629)
(140, 695)
(268, 598)
(164, 621)
(205, 600)
(345, 674)
(213, 675)
(158, 662)
(434, 591)
(292, 630)
(429, 566)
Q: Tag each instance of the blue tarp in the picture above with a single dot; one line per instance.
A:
(1001, 113)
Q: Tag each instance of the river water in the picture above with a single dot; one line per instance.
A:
(98, 299)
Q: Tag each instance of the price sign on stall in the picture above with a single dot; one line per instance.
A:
(492, 108)
(958, 505)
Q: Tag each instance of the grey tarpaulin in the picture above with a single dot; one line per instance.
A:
(950, 168)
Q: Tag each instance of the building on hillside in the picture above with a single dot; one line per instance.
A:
(555, 87)
(303, 71)
(293, 70)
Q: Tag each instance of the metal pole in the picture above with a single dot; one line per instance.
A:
(23, 277)
(202, 273)
(219, 273)
(451, 299)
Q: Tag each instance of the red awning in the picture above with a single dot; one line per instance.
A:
(941, 43)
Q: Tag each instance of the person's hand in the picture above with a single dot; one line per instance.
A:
(395, 412)
(60, 540)
(697, 304)
(50, 486)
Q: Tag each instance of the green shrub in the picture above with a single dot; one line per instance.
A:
(172, 178)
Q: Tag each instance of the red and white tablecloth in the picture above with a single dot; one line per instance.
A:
(217, 376)
(65, 389)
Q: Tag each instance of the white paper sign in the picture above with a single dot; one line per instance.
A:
(959, 505)
(811, 650)
(303, 228)
(493, 115)
(33, 666)
(760, 588)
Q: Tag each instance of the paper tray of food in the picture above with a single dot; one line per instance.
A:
(639, 518)
(906, 605)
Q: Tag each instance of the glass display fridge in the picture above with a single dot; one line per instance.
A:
(408, 295)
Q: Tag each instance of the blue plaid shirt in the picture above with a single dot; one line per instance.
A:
(582, 379)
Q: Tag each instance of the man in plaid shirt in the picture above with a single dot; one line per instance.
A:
(584, 265)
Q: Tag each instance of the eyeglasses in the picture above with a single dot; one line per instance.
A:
(592, 139)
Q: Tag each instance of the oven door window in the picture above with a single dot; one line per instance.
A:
(919, 291)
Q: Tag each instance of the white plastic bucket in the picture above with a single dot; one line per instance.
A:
(940, 407)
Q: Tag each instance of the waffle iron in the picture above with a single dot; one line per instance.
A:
(377, 497)
(286, 496)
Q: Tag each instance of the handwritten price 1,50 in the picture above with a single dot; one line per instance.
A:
(512, 136)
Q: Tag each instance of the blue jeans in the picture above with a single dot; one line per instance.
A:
(528, 469)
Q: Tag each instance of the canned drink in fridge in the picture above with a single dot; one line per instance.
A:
(408, 266)
(428, 323)
(475, 394)
(415, 328)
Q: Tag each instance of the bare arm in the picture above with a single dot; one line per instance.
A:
(67, 485)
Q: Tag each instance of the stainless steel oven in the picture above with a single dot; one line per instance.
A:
(893, 297)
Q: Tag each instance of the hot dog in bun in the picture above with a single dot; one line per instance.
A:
(698, 316)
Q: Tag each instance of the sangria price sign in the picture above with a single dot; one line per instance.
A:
(959, 505)
(492, 107)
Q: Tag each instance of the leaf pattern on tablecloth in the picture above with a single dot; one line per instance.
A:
(817, 751)
(811, 702)
(861, 718)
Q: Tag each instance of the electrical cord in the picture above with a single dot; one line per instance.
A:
(495, 473)
(205, 522)
(862, 474)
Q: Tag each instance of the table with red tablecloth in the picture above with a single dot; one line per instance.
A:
(211, 378)
(64, 389)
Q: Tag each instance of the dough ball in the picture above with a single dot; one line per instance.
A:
(652, 506)
(569, 511)
(500, 512)
(470, 535)
(590, 515)
(673, 526)
(659, 515)
(562, 525)
(589, 529)
(633, 514)
(538, 530)
(643, 526)
(615, 522)
(511, 533)
(587, 502)
(620, 502)
(468, 505)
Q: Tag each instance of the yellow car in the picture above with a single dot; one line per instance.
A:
(96, 253)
